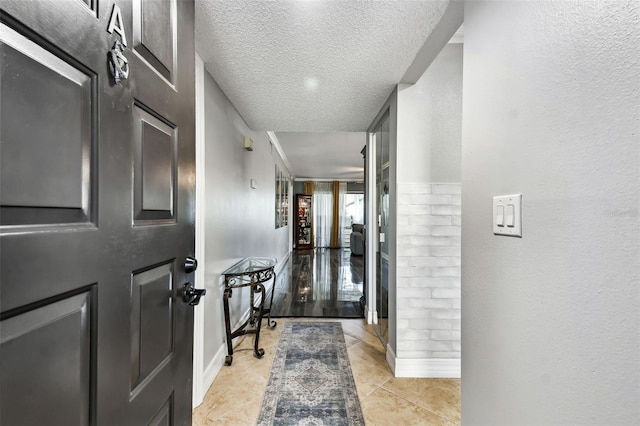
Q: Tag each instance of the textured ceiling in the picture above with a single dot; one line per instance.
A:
(311, 66)
(325, 156)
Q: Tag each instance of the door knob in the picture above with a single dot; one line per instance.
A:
(190, 265)
(192, 295)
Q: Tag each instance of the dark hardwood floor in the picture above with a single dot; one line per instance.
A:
(320, 283)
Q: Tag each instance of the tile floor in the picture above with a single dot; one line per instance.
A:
(236, 394)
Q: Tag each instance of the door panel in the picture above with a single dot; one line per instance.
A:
(91, 4)
(53, 346)
(163, 416)
(154, 34)
(152, 318)
(154, 172)
(97, 213)
(46, 128)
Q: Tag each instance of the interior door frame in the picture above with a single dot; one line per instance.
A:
(371, 227)
(199, 387)
(390, 106)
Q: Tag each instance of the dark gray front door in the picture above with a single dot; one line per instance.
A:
(97, 212)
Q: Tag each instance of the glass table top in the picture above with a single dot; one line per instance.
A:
(251, 264)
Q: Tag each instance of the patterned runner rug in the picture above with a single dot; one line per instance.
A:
(311, 381)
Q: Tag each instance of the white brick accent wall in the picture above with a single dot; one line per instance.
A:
(428, 271)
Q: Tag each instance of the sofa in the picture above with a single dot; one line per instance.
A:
(356, 240)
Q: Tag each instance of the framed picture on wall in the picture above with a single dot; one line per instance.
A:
(277, 197)
(285, 201)
(281, 198)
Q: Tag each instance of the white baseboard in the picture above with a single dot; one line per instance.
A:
(435, 368)
(212, 370)
(282, 263)
(391, 359)
(371, 316)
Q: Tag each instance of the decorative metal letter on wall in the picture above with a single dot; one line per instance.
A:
(118, 63)
(115, 24)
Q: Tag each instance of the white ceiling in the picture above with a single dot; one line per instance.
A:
(324, 156)
(299, 67)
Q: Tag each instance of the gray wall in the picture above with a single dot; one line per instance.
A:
(356, 187)
(239, 221)
(352, 187)
(550, 324)
(298, 187)
(430, 122)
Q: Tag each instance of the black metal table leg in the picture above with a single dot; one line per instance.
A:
(271, 324)
(227, 323)
(259, 352)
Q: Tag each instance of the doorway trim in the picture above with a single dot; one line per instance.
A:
(199, 388)
(371, 232)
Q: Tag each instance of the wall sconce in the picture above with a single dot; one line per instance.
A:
(248, 144)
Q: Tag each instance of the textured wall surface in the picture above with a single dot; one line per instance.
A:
(551, 322)
(311, 66)
(239, 221)
(428, 277)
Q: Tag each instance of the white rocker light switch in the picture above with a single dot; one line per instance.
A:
(507, 210)
(500, 216)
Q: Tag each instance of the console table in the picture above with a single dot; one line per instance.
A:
(250, 272)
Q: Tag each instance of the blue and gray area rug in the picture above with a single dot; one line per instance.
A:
(311, 381)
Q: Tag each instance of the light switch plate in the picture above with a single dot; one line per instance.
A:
(506, 201)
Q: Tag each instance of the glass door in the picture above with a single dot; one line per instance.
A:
(352, 214)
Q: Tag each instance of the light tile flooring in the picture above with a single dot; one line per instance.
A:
(236, 394)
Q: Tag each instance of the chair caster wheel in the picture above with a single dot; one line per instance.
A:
(259, 353)
(228, 360)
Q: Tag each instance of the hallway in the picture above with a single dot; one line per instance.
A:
(321, 283)
(317, 285)
(546, 107)
(236, 394)
(492, 146)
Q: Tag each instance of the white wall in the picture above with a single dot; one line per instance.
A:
(428, 280)
(238, 221)
(428, 220)
(550, 325)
